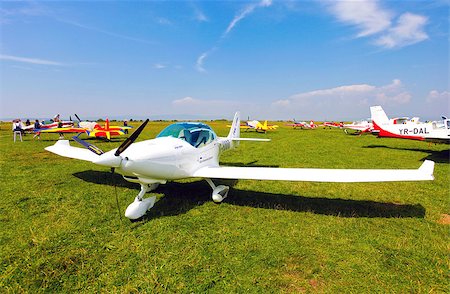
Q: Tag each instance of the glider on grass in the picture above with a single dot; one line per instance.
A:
(48, 125)
(331, 124)
(302, 124)
(358, 127)
(436, 132)
(192, 149)
(257, 126)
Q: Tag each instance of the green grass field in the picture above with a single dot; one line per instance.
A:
(61, 231)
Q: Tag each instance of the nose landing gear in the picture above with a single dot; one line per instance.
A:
(140, 205)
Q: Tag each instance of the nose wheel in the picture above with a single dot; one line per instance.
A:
(140, 205)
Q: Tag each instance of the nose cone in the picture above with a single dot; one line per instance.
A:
(108, 159)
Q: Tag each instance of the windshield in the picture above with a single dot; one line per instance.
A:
(196, 134)
(448, 124)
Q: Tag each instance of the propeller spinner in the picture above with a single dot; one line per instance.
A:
(114, 160)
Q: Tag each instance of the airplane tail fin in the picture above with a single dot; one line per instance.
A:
(378, 117)
(235, 131)
(265, 125)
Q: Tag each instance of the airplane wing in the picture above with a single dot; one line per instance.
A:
(424, 173)
(63, 148)
(61, 130)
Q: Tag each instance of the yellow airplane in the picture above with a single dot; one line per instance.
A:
(257, 126)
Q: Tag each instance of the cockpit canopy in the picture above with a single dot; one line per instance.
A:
(196, 134)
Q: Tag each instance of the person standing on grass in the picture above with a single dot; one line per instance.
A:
(125, 124)
(17, 128)
(60, 125)
(37, 126)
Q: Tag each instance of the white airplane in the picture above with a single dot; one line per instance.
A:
(359, 127)
(437, 132)
(192, 149)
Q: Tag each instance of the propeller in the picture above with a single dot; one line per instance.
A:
(77, 117)
(130, 140)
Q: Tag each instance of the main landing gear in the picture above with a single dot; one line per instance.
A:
(219, 192)
(140, 205)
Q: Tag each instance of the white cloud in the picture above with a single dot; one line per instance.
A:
(163, 21)
(408, 30)
(218, 108)
(185, 101)
(438, 97)
(31, 9)
(240, 16)
(282, 102)
(198, 14)
(372, 19)
(342, 100)
(159, 66)
(243, 13)
(200, 60)
(102, 31)
(30, 60)
(340, 92)
(368, 16)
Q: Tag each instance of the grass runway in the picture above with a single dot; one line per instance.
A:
(61, 232)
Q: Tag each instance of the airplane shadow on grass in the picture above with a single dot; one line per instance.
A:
(182, 197)
(442, 156)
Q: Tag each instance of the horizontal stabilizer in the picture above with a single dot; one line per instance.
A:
(424, 173)
(89, 146)
(63, 148)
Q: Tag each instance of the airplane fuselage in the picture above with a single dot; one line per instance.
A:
(420, 131)
(168, 158)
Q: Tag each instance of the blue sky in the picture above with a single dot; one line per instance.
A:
(321, 60)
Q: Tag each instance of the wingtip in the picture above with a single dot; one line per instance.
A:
(427, 168)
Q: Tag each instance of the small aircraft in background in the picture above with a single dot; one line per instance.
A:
(92, 129)
(332, 124)
(192, 149)
(302, 124)
(257, 126)
(436, 132)
(358, 127)
(107, 131)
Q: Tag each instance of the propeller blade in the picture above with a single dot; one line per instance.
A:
(77, 117)
(130, 140)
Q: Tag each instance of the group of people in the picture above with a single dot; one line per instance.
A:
(19, 128)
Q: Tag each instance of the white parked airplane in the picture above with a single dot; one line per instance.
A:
(186, 150)
(358, 127)
(437, 132)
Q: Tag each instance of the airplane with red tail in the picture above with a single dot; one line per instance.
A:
(436, 132)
